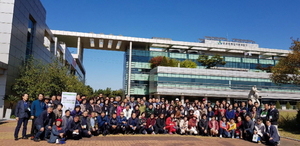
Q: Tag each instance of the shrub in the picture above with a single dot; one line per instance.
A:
(288, 105)
(298, 105)
(278, 106)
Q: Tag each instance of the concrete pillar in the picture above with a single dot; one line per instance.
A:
(182, 99)
(79, 49)
(228, 100)
(158, 96)
(129, 69)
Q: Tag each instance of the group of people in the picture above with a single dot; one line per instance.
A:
(104, 115)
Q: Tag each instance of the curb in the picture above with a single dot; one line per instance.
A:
(298, 140)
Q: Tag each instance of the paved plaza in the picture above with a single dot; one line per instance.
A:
(7, 129)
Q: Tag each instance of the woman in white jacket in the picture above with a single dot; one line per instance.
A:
(183, 125)
(259, 128)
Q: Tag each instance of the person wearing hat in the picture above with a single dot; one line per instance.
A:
(113, 109)
(47, 101)
(37, 107)
(57, 131)
(44, 124)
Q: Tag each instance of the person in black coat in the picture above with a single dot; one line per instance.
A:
(44, 123)
(22, 114)
(85, 125)
(203, 125)
(160, 126)
(74, 129)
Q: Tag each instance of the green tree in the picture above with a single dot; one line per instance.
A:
(215, 60)
(288, 105)
(50, 79)
(278, 106)
(165, 61)
(11, 99)
(298, 105)
(287, 70)
(188, 64)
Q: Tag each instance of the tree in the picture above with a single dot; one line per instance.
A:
(50, 79)
(211, 62)
(155, 61)
(287, 70)
(278, 106)
(188, 64)
(298, 105)
(11, 99)
(288, 105)
(268, 68)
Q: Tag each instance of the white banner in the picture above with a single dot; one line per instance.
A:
(68, 101)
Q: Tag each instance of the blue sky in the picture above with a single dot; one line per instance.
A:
(271, 23)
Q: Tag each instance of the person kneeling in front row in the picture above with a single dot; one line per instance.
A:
(57, 132)
(44, 123)
(74, 129)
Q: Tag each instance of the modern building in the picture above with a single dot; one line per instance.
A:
(24, 33)
(232, 81)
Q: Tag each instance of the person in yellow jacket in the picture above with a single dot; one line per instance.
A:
(231, 127)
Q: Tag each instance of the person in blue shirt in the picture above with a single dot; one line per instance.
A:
(103, 123)
(132, 126)
(44, 123)
(230, 114)
(22, 113)
(37, 107)
(122, 121)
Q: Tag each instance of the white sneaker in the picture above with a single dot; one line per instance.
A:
(220, 136)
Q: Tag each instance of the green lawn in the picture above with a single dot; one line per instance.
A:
(288, 130)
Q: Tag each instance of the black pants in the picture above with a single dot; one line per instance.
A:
(159, 130)
(114, 130)
(19, 124)
(201, 131)
(103, 129)
(85, 133)
(33, 129)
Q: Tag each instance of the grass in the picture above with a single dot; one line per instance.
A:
(287, 124)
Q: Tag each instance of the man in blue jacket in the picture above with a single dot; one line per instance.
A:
(37, 107)
(22, 113)
(103, 123)
(122, 121)
(44, 123)
(133, 124)
(271, 136)
(113, 124)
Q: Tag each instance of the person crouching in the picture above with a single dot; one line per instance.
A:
(57, 132)
(74, 129)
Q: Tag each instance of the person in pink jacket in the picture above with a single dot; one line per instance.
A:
(120, 108)
(214, 126)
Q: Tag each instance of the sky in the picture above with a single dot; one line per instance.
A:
(270, 23)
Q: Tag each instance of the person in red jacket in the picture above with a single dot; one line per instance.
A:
(150, 124)
(214, 126)
(170, 124)
(192, 125)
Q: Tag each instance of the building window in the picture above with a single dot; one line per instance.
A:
(30, 35)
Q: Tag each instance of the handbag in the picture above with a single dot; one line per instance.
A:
(255, 138)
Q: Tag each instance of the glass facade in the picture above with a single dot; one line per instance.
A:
(140, 74)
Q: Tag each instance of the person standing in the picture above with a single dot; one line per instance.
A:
(22, 113)
(37, 107)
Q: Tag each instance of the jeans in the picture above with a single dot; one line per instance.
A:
(231, 133)
(39, 133)
(20, 121)
(224, 132)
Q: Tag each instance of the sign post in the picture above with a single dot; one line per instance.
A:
(68, 101)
